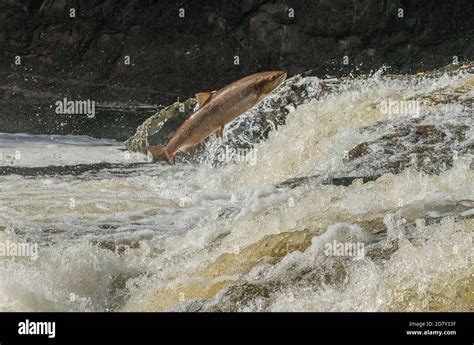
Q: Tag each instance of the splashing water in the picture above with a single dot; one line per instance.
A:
(115, 232)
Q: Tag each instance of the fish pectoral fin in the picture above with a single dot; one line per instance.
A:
(172, 133)
(191, 149)
(220, 133)
(203, 97)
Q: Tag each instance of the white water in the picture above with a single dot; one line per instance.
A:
(28, 150)
(154, 237)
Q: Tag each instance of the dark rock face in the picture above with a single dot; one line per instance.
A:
(85, 57)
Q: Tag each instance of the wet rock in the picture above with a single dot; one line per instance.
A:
(317, 179)
(76, 170)
(266, 116)
(256, 290)
(358, 151)
(271, 113)
(83, 58)
(427, 144)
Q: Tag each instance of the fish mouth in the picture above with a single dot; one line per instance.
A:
(280, 79)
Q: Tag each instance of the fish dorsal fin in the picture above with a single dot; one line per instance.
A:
(203, 97)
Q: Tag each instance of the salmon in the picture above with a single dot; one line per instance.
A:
(216, 110)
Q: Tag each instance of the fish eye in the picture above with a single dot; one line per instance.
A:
(273, 78)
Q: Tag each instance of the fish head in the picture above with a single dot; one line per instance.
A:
(269, 81)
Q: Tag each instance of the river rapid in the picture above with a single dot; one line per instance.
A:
(267, 230)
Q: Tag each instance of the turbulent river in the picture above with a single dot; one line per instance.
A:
(362, 201)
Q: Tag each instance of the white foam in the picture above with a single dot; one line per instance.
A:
(171, 222)
(27, 150)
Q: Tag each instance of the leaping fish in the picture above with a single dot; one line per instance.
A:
(217, 109)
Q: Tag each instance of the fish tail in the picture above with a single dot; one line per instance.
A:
(161, 154)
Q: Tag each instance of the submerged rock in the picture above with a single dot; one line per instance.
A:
(428, 144)
(311, 269)
(429, 141)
